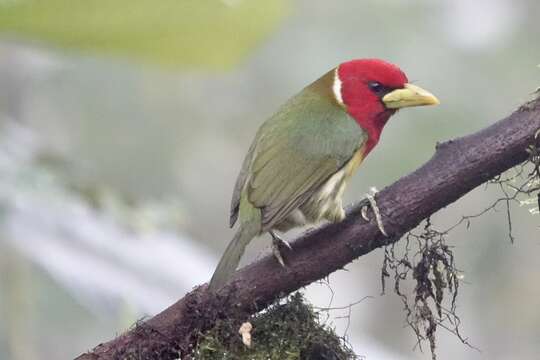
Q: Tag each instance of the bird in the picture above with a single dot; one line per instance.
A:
(298, 165)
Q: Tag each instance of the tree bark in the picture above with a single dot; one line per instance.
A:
(457, 167)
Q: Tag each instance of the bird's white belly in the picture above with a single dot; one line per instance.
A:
(326, 203)
(331, 193)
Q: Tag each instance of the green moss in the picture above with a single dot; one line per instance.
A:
(287, 330)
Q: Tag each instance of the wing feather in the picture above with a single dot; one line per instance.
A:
(294, 153)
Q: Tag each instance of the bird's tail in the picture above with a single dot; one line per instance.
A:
(231, 257)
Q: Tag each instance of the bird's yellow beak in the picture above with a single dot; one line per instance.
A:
(410, 95)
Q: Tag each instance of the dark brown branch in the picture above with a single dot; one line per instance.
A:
(457, 167)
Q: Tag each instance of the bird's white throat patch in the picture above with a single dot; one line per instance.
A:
(336, 87)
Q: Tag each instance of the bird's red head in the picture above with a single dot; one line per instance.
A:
(371, 90)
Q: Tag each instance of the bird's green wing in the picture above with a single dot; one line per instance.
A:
(294, 153)
(239, 185)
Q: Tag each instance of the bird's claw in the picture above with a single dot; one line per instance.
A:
(363, 212)
(277, 254)
(278, 242)
(373, 204)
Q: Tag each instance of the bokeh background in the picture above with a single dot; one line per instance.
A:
(123, 125)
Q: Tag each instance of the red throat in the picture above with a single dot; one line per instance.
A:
(373, 126)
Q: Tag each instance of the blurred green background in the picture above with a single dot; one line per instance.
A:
(123, 125)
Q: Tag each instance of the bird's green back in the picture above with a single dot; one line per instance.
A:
(294, 153)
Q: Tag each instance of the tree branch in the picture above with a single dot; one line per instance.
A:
(457, 167)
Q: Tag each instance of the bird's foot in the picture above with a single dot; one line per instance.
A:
(277, 243)
(373, 204)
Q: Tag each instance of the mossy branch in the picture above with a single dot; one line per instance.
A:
(457, 167)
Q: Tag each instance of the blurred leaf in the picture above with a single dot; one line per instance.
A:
(207, 33)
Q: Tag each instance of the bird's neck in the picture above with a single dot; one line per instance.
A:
(373, 126)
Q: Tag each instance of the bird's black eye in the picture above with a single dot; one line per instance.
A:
(376, 87)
